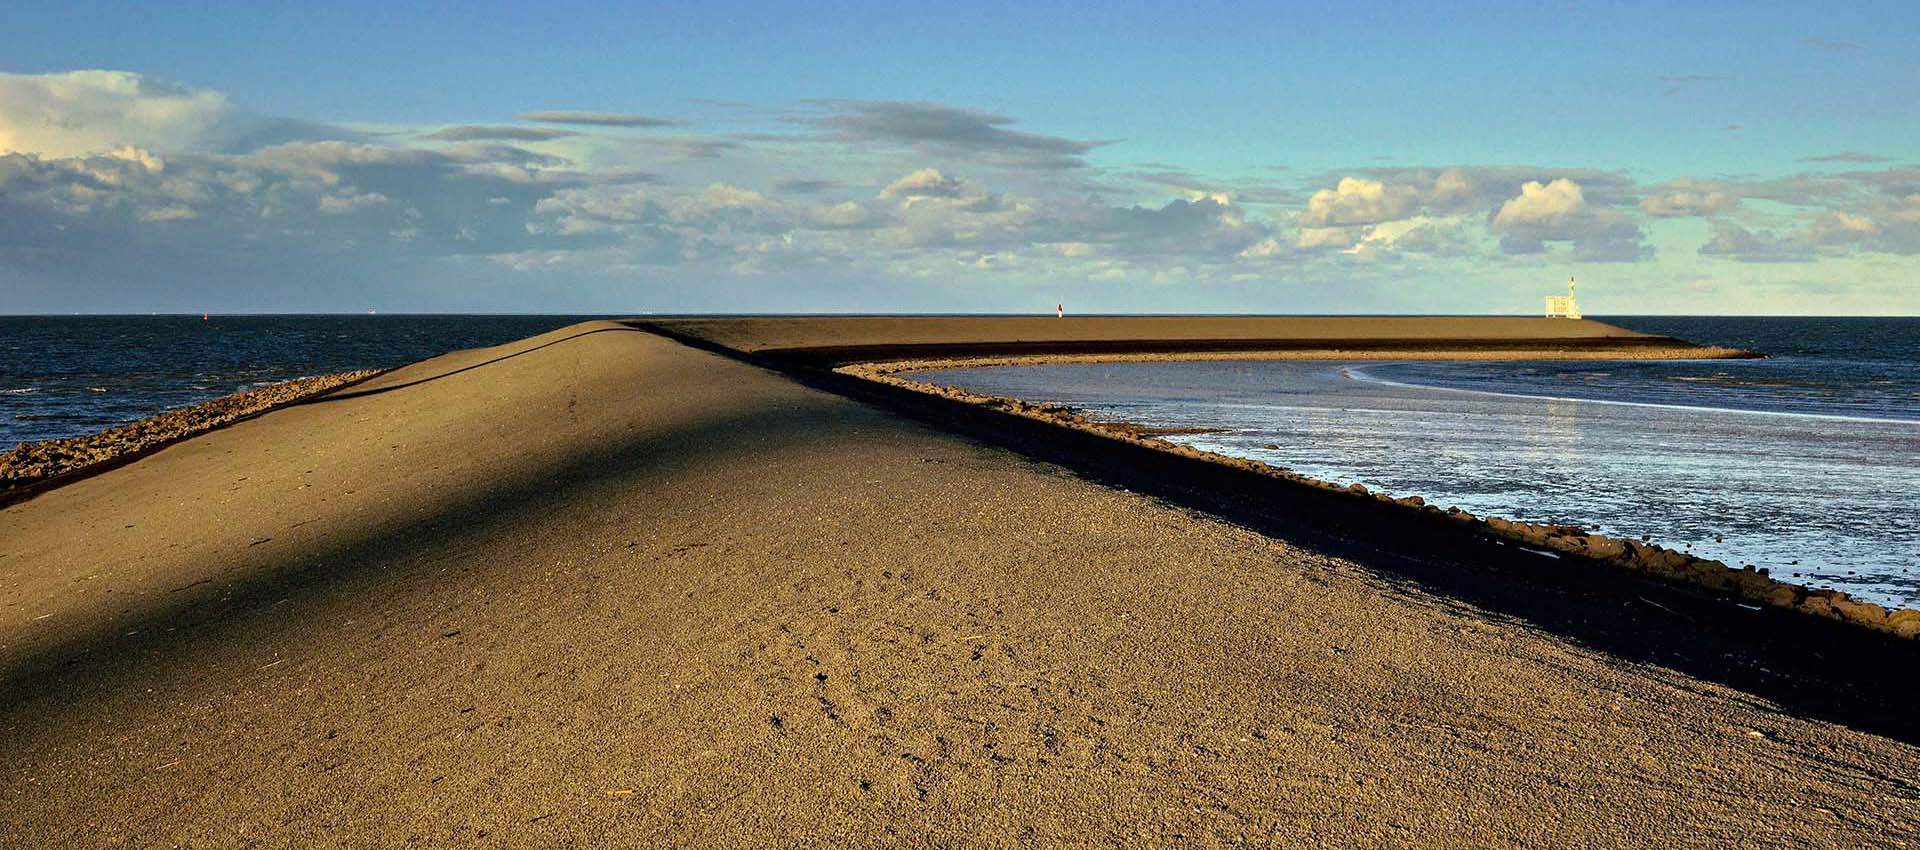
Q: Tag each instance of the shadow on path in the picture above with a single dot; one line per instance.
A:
(255, 600)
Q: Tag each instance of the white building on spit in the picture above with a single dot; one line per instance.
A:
(1563, 306)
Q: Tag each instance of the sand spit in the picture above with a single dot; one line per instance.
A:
(1006, 340)
(1756, 585)
(30, 464)
(601, 589)
(1640, 350)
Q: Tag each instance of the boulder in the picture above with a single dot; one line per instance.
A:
(1904, 622)
(1864, 613)
(1818, 604)
(1606, 547)
(1782, 596)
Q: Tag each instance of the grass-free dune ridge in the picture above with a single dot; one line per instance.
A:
(602, 588)
(837, 340)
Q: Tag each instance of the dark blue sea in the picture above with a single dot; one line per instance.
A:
(1806, 462)
(1844, 367)
(62, 376)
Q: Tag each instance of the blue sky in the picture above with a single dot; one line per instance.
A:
(1712, 158)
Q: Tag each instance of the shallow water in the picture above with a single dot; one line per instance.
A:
(1820, 500)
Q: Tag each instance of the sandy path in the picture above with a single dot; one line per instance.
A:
(618, 592)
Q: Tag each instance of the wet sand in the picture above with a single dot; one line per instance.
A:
(599, 588)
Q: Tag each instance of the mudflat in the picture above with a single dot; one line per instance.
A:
(598, 588)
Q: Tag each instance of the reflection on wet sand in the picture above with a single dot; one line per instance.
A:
(1818, 500)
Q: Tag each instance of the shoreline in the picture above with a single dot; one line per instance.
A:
(1750, 584)
(1740, 411)
(31, 468)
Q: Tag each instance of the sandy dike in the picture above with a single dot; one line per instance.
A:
(601, 589)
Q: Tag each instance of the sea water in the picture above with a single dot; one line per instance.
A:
(1805, 462)
(62, 376)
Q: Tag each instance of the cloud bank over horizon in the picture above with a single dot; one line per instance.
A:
(121, 192)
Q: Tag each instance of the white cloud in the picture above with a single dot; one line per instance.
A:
(80, 112)
(1879, 224)
(1391, 234)
(74, 113)
(1546, 204)
(1264, 249)
(1688, 198)
(128, 170)
(1321, 238)
(1453, 189)
(1557, 211)
(846, 214)
(1359, 201)
(923, 183)
(1845, 225)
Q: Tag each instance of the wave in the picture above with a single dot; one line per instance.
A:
(1358, 374)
